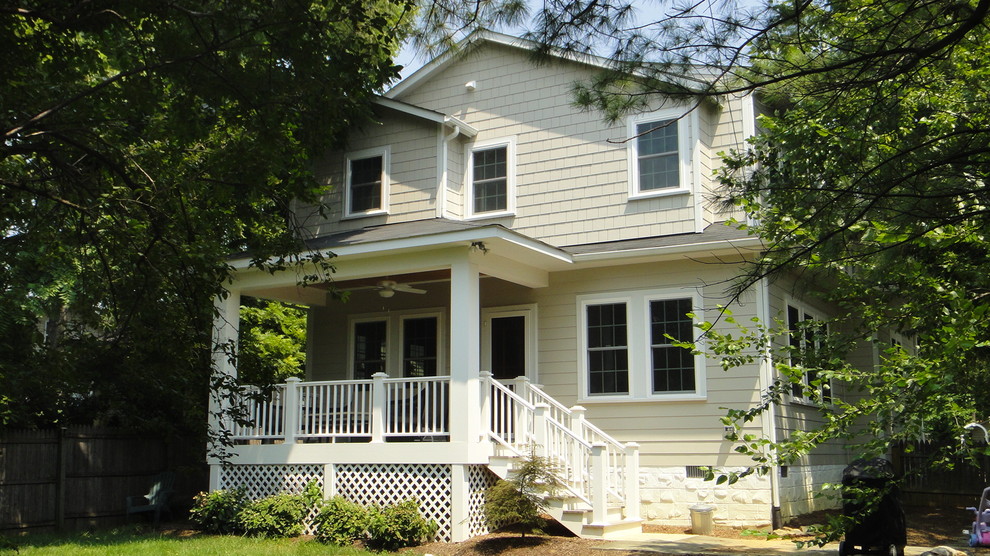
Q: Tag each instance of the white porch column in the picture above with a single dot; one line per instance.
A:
(465, 352)
(226, 323)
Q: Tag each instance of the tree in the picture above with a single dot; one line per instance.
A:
(144, 142)
(272, 343)
(869, 178)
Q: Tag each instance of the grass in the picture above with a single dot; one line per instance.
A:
(134, 542)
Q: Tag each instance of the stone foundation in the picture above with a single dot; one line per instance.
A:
(667, 493)
(798, 489)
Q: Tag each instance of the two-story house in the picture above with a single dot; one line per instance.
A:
(517, 268)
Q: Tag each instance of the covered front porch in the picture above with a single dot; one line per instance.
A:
(400, 388)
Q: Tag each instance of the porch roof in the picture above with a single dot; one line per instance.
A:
(436, 232)
(716, 238)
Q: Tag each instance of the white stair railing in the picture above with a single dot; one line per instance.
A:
(594, 466)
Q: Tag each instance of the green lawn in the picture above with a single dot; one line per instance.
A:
(128, 542)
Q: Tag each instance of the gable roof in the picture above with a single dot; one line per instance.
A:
(476, 39)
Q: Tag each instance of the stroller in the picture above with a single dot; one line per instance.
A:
(883, 530)
(979, 535)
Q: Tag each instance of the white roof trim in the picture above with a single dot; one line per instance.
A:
(750, 243)
(486, 233)
(441, 61)
(426, 114)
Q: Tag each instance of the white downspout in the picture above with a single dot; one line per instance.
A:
(769, 418)
(442, 175)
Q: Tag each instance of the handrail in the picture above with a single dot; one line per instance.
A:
(565, 438)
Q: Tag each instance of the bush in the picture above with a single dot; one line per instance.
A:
(340, 522)
(524, 497)
(398, 526)
(279, 515)
(217, 512)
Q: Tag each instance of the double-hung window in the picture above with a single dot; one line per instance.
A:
(672, 365)
(608, 349)
(660, 153)
(491, 175)
(366, 176)
(631, 346)
(807, 332)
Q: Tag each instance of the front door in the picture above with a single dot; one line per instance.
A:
(507, 350)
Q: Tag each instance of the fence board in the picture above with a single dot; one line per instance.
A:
(102, 467)
(958, 481)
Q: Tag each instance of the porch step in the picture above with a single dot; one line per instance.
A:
(613, 530)
(571, 511)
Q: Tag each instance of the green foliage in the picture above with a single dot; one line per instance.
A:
(144, 142)
(398, 526)
(522, 498)
(276, 516)
(341, 522)
(218, 512)
(272, 343)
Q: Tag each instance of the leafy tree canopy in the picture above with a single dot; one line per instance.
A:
(869, 178)
(144, 141)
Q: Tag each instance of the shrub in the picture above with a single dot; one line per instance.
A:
(340, 522)
(524, 497)
(279, 515)
(398, 526)
(217, 512)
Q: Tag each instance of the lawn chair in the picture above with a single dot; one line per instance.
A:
(156, 500)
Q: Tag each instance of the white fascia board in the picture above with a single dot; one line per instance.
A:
(469, 236)
(441, 61)
(738, 246)
(427, 114)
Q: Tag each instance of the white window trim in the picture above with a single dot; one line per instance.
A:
(397, 370)
(686, 122)
(352, 323)
(394, 337)
(384, 152)
(638, 343)
(528, 312)
(510, 178)
(804, 311)
(700, 375)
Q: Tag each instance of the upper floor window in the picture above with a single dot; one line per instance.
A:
(492, 178)
(366, 190)
(660, 153)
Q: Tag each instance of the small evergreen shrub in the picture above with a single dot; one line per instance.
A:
(277, 516)
(340, 522)
(398, 526)
(524, 497)
(217, 512)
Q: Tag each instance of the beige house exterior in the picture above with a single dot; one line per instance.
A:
(543, 243)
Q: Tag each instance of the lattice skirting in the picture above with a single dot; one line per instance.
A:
(370, 484)
(386, 484)
(259, 481)
(480, 478)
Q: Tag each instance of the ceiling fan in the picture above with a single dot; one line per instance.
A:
(387, 288)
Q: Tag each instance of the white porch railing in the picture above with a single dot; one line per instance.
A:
(592, 465)
(369, 410)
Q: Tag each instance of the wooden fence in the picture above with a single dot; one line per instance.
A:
(79, 477)
(959, 482)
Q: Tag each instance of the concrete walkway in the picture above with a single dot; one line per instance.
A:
(663, 543)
